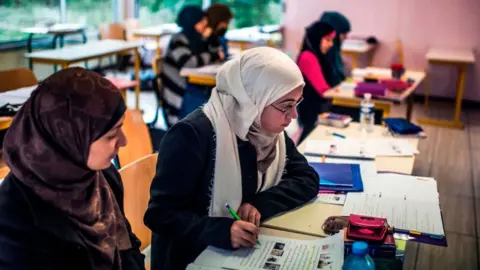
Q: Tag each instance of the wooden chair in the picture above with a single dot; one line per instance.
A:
(137, 178)
(139, 143)
(112, 31)
(16, 78)
(130, 25)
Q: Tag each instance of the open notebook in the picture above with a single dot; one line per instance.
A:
(409, 203)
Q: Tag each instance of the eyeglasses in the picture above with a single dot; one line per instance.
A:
(286, 109)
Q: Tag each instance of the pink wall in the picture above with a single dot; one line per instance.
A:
(419, 24)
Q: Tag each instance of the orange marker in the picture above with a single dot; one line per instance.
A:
(323, 159)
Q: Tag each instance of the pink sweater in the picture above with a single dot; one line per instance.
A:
(308, 64)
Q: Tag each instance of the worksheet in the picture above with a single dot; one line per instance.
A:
(281, 253)
(277, 253)
(360, 148)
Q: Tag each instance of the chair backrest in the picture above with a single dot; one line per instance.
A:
(16, 78)
(130, 25)
(139, 143)
(112, 31)
(137, 178)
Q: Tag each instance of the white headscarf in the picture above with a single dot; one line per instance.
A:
(245, 86)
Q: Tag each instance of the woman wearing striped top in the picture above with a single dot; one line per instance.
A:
(186, 49)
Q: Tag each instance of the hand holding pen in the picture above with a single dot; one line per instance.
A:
(243, 233)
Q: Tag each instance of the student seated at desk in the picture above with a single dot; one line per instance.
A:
(186, 49)
(233, 150)
(61, 207)
(219, 16)
(317, 72)
(342, 27)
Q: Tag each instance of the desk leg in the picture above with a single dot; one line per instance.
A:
(354, 61)
(458, 104)
(54, 45)
(427, 91)
(460, 86)
(158, 51)
(84, 39)
(409, 107)
(29, 49)
(137, 78)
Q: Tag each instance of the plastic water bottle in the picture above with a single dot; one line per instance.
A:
(359, 258)
(367, 113)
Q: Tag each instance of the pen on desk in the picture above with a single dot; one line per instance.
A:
(338, 135)
(235, 216)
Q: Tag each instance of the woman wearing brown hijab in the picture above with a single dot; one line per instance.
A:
(61, 207)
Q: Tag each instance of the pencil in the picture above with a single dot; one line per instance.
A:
(235, 216)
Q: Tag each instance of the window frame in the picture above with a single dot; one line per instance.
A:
(46, 40)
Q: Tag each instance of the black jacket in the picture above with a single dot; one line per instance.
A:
(36, 236)
(180, 196)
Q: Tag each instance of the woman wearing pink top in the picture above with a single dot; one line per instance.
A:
(317, 73)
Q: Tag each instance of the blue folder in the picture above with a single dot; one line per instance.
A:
(339, 177)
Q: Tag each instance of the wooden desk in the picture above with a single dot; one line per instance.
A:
(205, 75)
(354, 48)
(308, 219)
(155, 33)
(461, 59)
(345, 96)
(5, 122)
(255, 34)
(57, 30)
(92, 50)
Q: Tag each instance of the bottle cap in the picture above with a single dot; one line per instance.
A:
(360, 248)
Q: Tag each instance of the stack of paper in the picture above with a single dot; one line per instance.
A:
(360, 148)
(277, 253)
(409, 203)
(18, 96)
(342, 148)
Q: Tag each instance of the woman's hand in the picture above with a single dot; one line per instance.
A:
(243, 234)
(207, 32)
(249, 213)
(221, 55)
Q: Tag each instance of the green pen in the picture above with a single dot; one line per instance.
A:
(235, 215)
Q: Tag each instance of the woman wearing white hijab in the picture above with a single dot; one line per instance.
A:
(233, 151)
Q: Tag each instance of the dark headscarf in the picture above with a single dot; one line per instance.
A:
(187, 18)
(313, 36)
(342, 26)
(47, 148)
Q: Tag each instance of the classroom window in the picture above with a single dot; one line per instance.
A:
(254, 12)
(156, 12)
(17, 14)
(90, 12)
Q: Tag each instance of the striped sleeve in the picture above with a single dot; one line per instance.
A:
(182, 55)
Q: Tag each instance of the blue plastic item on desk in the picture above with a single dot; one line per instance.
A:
(359, 258)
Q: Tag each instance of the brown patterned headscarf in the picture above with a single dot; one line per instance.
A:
(47, 148)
